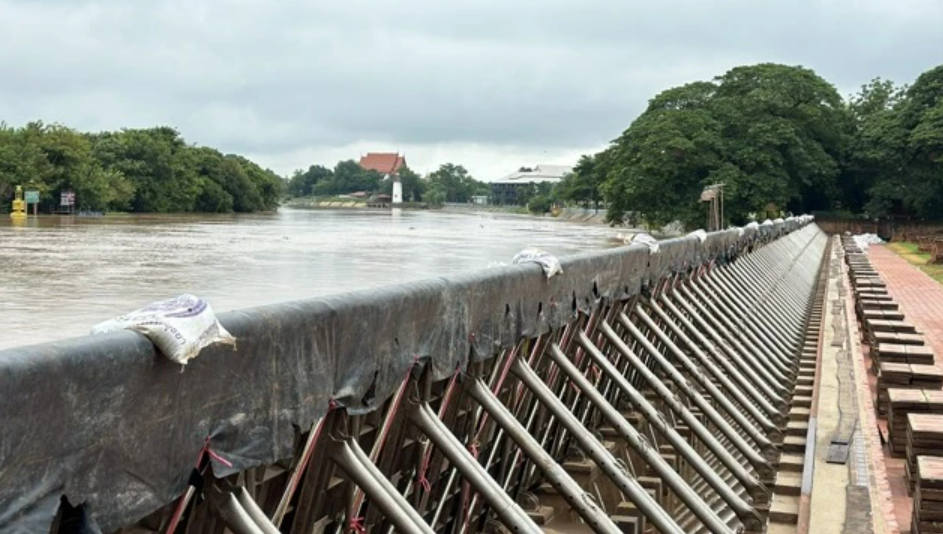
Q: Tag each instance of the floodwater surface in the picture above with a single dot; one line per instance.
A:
(61, 275)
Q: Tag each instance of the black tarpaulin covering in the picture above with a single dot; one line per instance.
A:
(108, 422)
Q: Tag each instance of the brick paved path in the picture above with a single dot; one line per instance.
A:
(921, 301)
(920, 297)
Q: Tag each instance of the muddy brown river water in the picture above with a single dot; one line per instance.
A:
(61, 275)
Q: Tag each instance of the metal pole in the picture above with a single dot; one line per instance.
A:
(640, 445)
(252, 509)
(770, 453)
(596, 451)
(381, 492)
(749, 404)
(511, 515)
(298, 470)
(736, 352)
(581, 502)
(657, 421)
(754, 486)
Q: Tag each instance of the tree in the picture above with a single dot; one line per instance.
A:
(348, 177)
(896, 154)
(152, 170)
(661, 163)
(455, 183)
(302, 183)
(413, 184)
(268, 184)
(584, 184)
(876, 96)
(774, 134)
(435, 194)
(875, 154)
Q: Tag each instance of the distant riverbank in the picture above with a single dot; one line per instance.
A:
(567, 214)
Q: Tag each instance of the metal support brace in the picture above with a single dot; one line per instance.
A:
(737, 354)
(379, 490)
(757, 322)
(657, 421)
(776, 361)
(772, 377)
(763, 467)
(736, 327)
(252, 509)
(749, 399)
(757, 283)
(770, 453)
(508, 511)
(771, 321)
(581, 502)
(236, 519)
(764, 292)
(642, 447)
(596, 451)
(734, 285)
(757, 490)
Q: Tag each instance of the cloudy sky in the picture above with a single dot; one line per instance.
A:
(491, 84)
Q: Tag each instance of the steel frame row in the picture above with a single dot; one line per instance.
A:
(668, 408)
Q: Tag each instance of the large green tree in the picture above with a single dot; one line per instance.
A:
(455, 184)
(894, 164)
(302, 183)
(348, 177)
(773, 134)
(876, 149)
(584, 185)
(149, 170)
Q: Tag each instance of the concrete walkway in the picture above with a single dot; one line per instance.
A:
(830, 480)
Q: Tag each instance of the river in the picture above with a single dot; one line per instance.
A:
(61, 275)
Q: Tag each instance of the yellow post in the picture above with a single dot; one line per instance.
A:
(19, 205)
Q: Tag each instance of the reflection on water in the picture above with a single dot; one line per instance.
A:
(61, 275)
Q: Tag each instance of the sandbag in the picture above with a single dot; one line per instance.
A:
(648, 241)
(180, 327)
(701, 235)
(549, 263)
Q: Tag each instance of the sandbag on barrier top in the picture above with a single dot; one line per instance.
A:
(180, 327)
(549, 263)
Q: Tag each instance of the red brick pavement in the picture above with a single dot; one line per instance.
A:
(921, 301)
(920, 297)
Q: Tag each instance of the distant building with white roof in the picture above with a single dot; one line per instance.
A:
(505, 190)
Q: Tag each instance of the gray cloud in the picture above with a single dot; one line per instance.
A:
(289, 80)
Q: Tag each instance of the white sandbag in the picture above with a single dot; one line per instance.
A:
(549, 263)
(701, 235)
(871, 239)
(648, 241)
(180, 327)
(865, 240)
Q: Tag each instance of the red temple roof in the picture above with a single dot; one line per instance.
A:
(383, 162)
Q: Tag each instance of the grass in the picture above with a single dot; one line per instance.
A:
(909, 252)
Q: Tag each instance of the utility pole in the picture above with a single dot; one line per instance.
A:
(714, 196)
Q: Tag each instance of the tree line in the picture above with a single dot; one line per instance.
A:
(140, 170)
(780, 138)
(448, 183)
